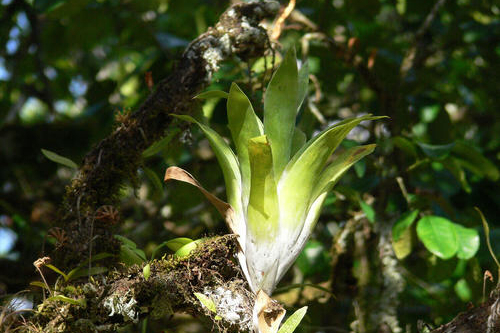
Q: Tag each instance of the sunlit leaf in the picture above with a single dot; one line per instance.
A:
(188, 248)
(438, 235)
(85, 271)
(280, 110)
(207, 302)
(212, 94)
(468, 242)
(293, 321)
(146, 271)
(368, 210)
(177, 243)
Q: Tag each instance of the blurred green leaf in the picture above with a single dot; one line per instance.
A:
(403, 223)
(468, 242)
(80, 302)
(471, 159)
(438, 235)
(405, 145)
(436, 151)
(368, 210)
(43, 6)
(59, 159)
(463, 290)
(160, 145)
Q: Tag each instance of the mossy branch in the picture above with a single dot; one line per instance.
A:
(117, 157)
(125, 296)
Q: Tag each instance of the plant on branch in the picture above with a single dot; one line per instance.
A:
(276, 182)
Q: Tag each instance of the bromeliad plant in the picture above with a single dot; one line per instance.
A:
(276, 182)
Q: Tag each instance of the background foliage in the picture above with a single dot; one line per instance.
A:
(69, 68)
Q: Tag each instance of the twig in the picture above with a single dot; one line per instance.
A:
(410, 58)
(278, 26)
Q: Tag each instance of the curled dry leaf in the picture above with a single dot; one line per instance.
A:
(225, 209)
(267, 313)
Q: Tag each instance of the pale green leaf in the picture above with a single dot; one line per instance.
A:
(438, 235)
(59, 159)
(227, 160)
(280, 110)
(146, 271)
(468, 242)
(212, 94)
(177, 243)
(334, 171)
(188, 248)
(244, 125)
(293, 321)
(403, 245)
(303, 174)
(263, 211)
(207, 302)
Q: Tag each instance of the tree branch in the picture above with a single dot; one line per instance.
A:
(117, 157)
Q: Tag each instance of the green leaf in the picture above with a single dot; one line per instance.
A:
(334, 171)
(263, 210)
(244, 125)
(80, 272)
(298, 141)
(303, 79)
(146, 271)
(436, 151)
(487, 236)
(57, 270)
(212, 94)
(463, 290)
(368, 210)
(453, 165)
(293, 321)
(403, 223)
(471, 159)
(155, 180)
(160, 145)
(468, 242)
(438, 235)
(130, 256)
(126, 241)
(80, 302)
(228, 162)
(280, 110)
(39, 284)
(59, 159)
(402, 247)
(188, 248)
(207, 302)
(405, 145)
(177, 243)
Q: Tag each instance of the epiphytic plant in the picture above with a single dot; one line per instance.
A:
(276, 182)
